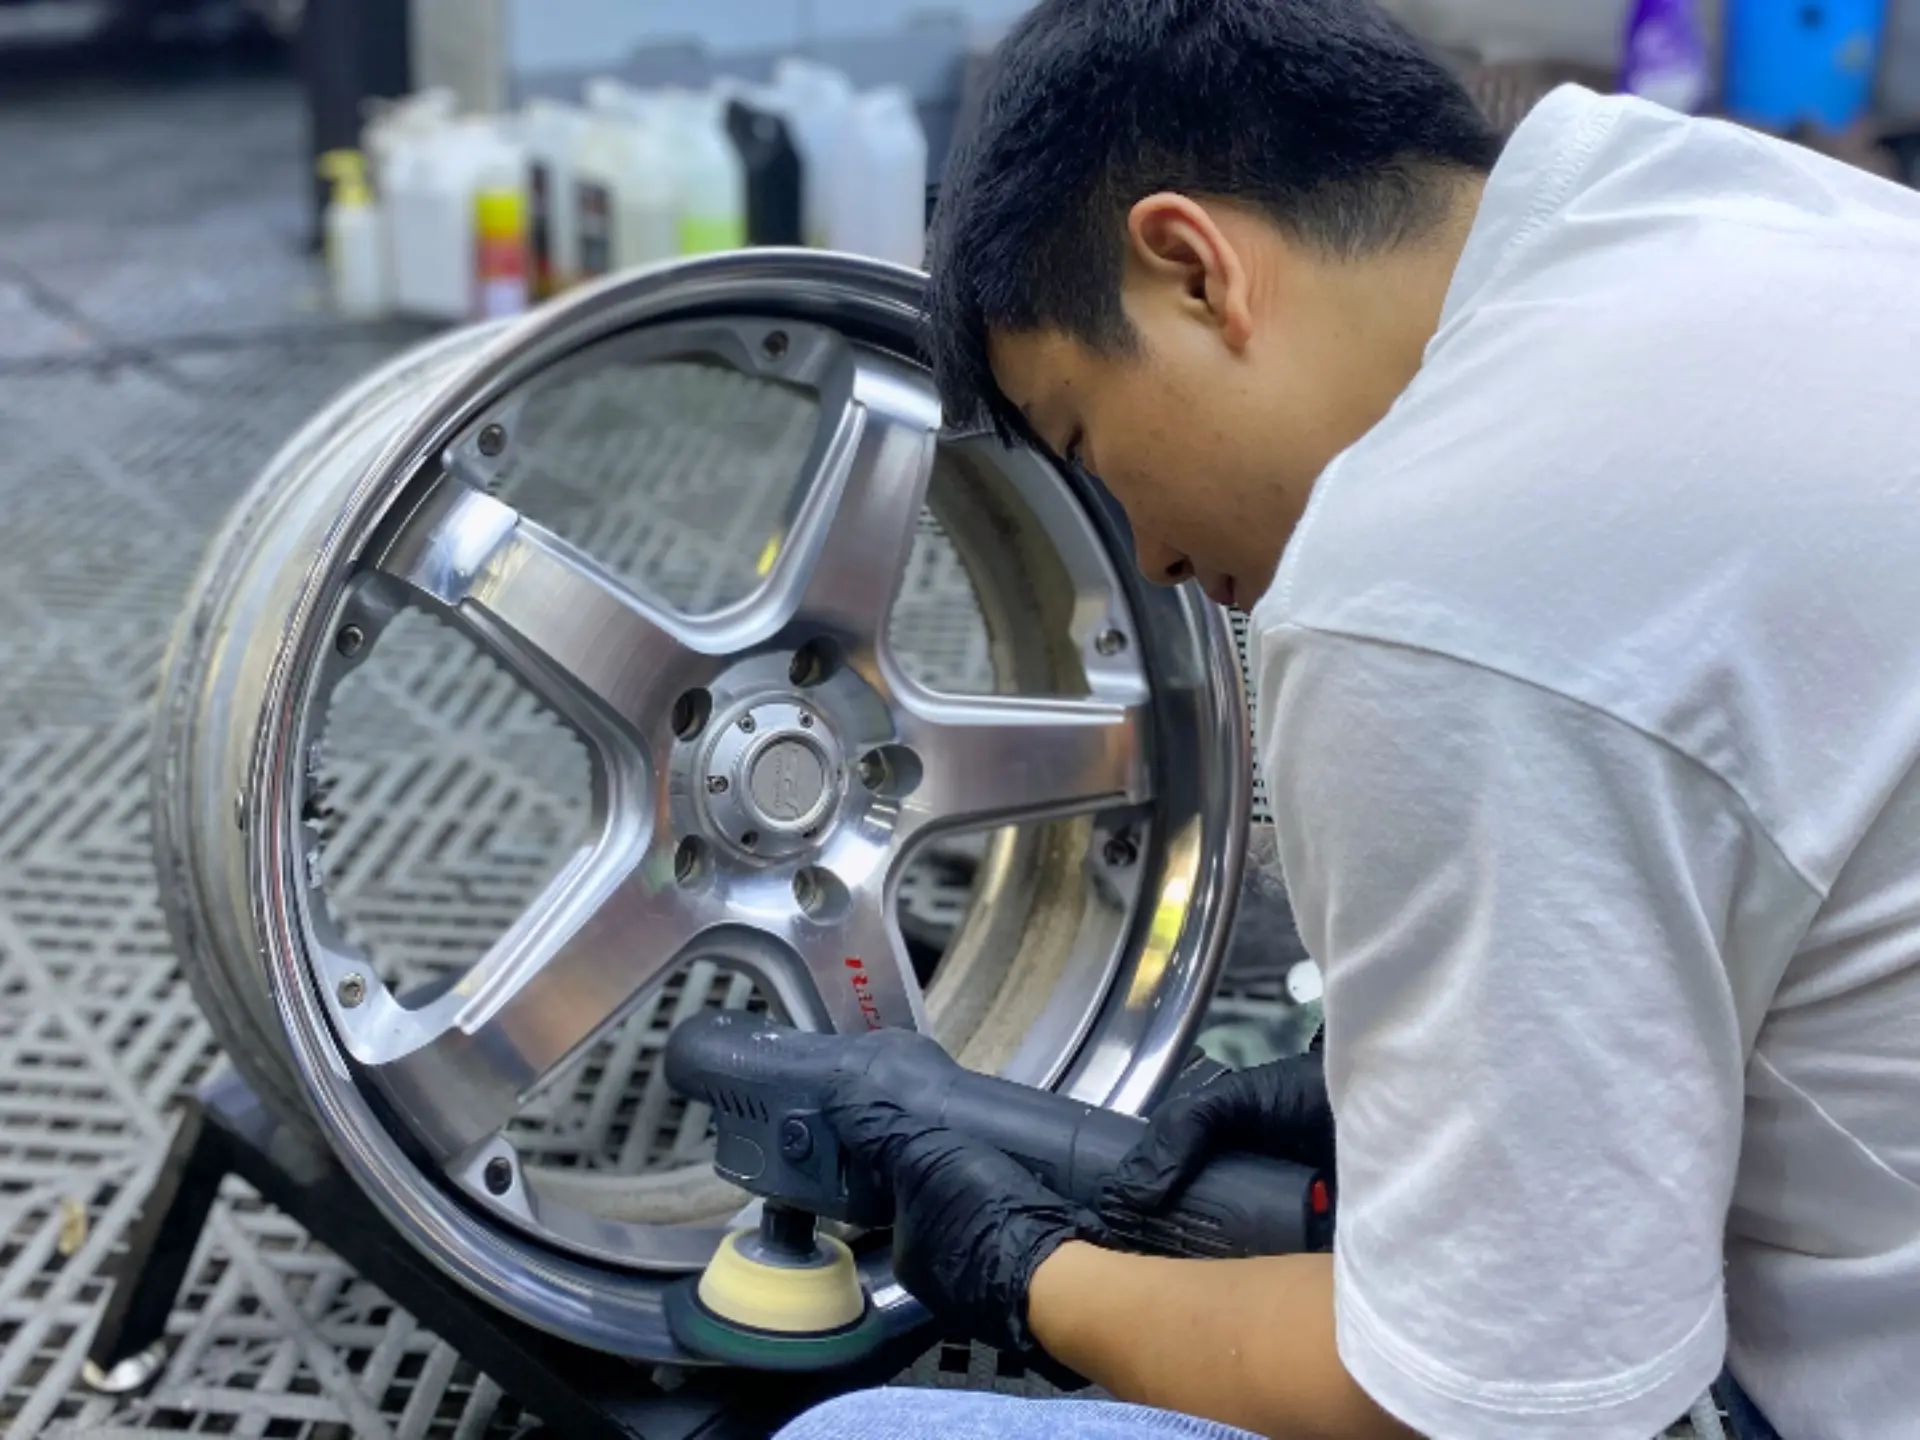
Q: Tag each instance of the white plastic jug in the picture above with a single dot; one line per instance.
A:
(710, 179)
(428, 209)
(434, 177)
(893, 204)
(392, 122)
(624, 192)
(818, 105)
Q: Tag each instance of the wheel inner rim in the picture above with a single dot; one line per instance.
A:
(783, 761)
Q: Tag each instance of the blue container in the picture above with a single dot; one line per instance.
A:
(1791, 62)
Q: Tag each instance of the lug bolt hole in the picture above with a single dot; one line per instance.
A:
(750, 839)
(689, 860)
(814, 663)
(350, 641)
(716, 784)
(775, 344)
(493, 440)
(820, 894)
(690, 713)
(1110, 642)
(499, 1175)
(891, 771)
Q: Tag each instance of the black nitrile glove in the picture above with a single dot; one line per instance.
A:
(971, 1225)
(1278, 1109)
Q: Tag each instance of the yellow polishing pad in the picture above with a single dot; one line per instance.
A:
(801, 1300)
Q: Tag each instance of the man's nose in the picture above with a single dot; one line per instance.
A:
(1161, 565)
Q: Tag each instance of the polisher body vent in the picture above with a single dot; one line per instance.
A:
(734, 1103)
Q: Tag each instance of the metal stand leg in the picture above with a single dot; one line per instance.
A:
(128, 1348)
(581, 1394)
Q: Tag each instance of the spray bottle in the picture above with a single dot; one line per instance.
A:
(356, 262)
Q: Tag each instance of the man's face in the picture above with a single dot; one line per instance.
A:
(1212, 427)
(1174, 442)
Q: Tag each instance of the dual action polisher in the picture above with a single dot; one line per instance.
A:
(786, 1297)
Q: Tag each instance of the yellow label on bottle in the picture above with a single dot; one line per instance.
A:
(701, 234)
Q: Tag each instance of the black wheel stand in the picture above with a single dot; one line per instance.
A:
(578, 1393)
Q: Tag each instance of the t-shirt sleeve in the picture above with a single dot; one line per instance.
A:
(1521, 906)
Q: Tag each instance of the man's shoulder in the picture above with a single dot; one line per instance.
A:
(1700, 533)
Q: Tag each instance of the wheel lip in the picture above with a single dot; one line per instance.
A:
(596, 1306)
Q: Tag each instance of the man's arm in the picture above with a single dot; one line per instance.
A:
(1245, 1342)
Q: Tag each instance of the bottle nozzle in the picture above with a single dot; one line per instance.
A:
(347, 170)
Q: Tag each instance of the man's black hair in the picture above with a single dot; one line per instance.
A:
(1325, 114)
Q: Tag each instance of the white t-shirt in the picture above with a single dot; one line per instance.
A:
(1589, 696)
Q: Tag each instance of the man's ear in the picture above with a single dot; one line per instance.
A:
(1173, 242)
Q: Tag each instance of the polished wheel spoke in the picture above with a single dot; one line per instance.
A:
(986, 760)
(598, 939)
(843, 561)
(573, 632)
(859, 968)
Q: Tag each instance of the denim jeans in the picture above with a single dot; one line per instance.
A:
(903, 1414)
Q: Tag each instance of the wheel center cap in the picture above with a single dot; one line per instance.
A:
(773, 775)
(786, 781)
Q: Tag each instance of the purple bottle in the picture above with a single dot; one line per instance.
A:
(1666, 55)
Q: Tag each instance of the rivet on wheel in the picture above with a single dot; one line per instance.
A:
(806, 721)
(350, 641)
(1121, 852)
(1110, 642)
(775, 344)
(493, 440)
(353, 989)
(716, 784)
(499, 1175)
(746, 723)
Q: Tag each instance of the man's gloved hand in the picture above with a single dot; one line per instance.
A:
(1278, 1109)
(971, 1225)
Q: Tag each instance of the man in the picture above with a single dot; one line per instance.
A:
(1574, 490)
